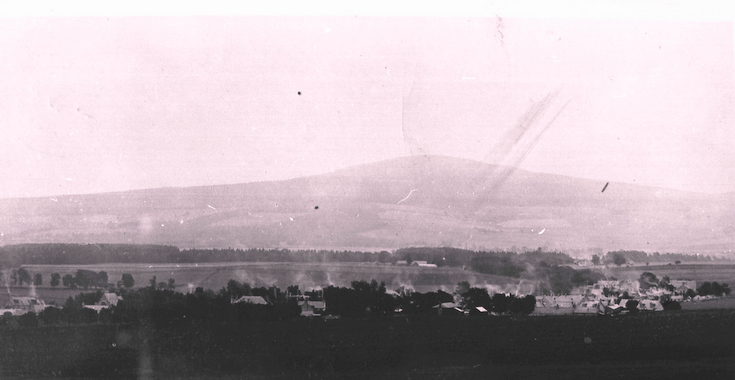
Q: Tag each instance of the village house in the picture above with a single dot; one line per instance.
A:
(587, 307)
(22, 305)
(255, 300)
(106, 300)
(421, 263)
(109, 299)
(448, 308)
(610, 284)
(650, 305)
(311, 308)
(689, 284)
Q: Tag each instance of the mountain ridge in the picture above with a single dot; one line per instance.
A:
(405, 201)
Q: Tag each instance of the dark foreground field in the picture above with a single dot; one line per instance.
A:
(683, 344)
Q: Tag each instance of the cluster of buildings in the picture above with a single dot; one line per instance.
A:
(608, 297)
(107, 300)
(309, 307)
(31, 304)
(21, 305)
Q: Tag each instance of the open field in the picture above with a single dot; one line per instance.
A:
(307, 275)
(722, 272)
(680, 344)
(717, 303)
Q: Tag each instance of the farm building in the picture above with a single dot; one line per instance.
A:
(587, 307)
(547, 305)
(563, 301)
(107, 300)
(650, 305)
(683, 289)
(689, 284)
(421, 263)
(23, 305)
(479, 310)
(448, 308)
(630, 286)
(255, 300)
(311, 308)
(612, 309)
(610, 284)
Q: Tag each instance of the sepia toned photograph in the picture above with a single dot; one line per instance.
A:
(397, 190)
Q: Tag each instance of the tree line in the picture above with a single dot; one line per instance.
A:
(622, 257)
(81, 279)
(511, 263)
(71, 254)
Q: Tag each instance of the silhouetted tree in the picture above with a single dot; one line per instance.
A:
(85, 278)
(55, 277)
(705, 289)
(522, 305)
(24, 276)
(127, 280)
(619, 259)
(648, 280)
(475, 297)
(50, 315)
(462, 288)
(501, 303)
(101, 279)
(68, 281)
(690, 293)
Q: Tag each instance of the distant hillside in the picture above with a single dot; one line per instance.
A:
(409, 201)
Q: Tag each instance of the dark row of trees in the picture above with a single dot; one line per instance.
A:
(69, 254)
(370, 298)
(623, 257)
(513, 263)
(714, 289)
(82, 279)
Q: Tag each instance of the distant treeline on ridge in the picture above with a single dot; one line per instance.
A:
(79, 254)
(492, 262)
(643, 257)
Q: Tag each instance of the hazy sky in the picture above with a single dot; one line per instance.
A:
(97, 104)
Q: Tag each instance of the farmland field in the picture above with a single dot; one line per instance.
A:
(307, 275)
(724, 272)
(674, 344)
